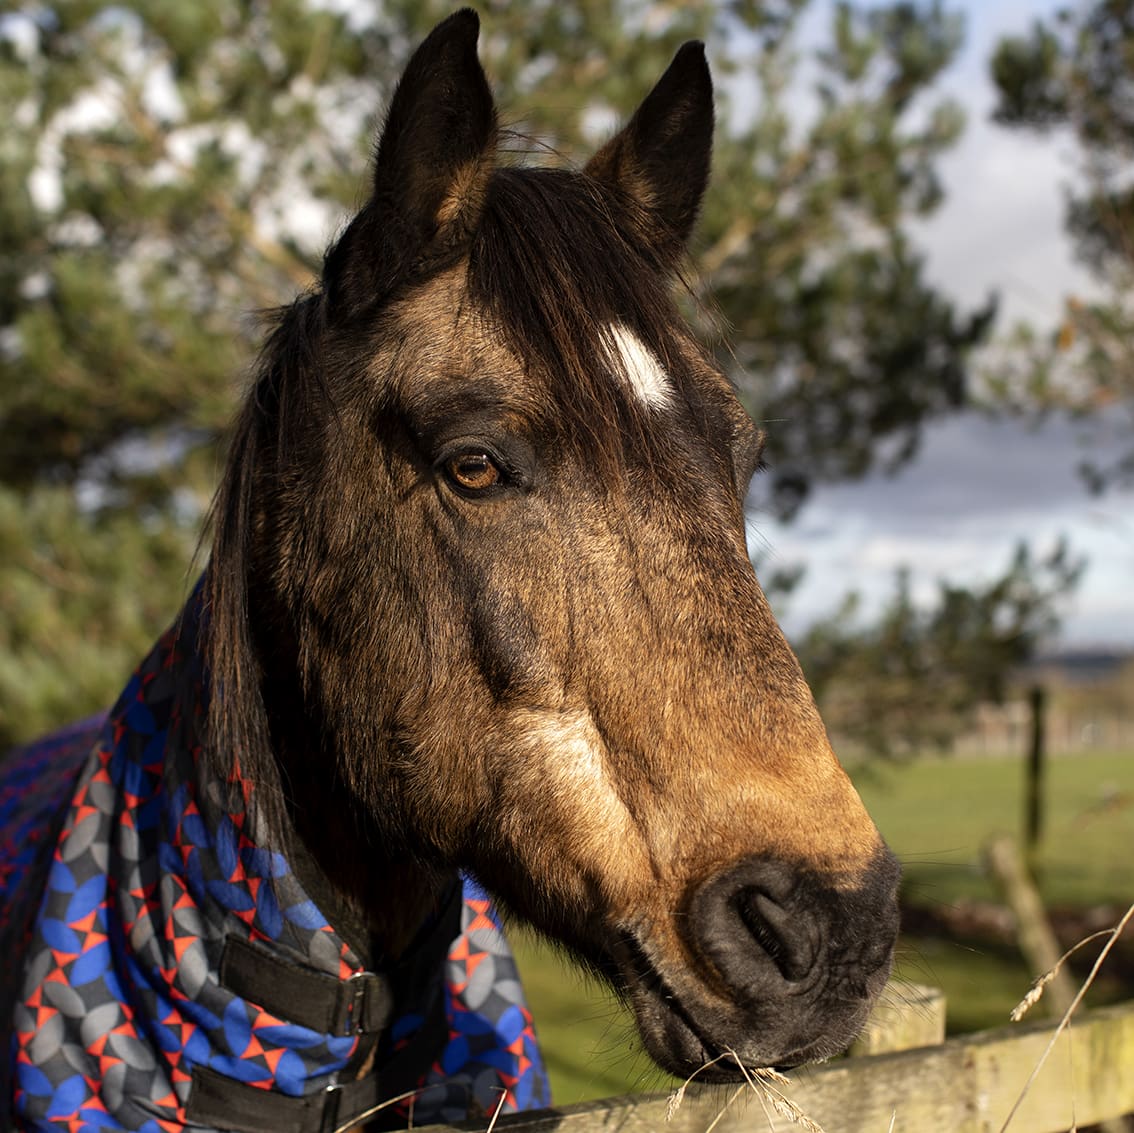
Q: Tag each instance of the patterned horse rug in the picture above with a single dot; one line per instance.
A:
(166, 968)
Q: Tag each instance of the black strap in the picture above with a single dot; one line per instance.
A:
(359, 1005)
(224, 1103)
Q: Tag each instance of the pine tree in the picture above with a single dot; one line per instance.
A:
(169, 170)
(1070, 78)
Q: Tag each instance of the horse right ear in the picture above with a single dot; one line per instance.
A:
(433, 161)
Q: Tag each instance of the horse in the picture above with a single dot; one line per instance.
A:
(478, 619)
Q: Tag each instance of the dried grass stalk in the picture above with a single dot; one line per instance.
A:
(496, 1114)
(357, 1122)
(1035, 992)
(762, 1081)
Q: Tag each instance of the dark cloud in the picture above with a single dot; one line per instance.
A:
(972, 467)
(977, 489)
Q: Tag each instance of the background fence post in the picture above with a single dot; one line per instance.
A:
(1034, 934)
(906, 1016)
(1034, 775)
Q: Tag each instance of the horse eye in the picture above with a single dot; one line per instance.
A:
(473, 471)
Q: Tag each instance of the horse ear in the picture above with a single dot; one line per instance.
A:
(438, 146)
(433, 161)
(658, 164)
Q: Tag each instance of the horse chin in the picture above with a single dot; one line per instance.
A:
(688, 1030)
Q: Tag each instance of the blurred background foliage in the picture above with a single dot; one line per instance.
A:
(911, 682)
(1070, 79)
(167, 171)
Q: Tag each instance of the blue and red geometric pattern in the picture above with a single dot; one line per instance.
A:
(123, 868)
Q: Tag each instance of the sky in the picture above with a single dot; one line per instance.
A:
(978, 486)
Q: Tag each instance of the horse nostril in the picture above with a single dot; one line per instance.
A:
(751, 905)
(761, 925)
(770, 925)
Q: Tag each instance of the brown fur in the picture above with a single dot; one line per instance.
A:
(573, 686)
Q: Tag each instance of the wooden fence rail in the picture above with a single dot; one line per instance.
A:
(964, 1085)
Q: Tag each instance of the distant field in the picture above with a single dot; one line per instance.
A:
(936, 814)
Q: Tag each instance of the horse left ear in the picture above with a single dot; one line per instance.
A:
(658, 165)
(433, 161)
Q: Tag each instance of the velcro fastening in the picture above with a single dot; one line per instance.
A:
(360, 1005)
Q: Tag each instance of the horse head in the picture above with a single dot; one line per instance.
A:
(480, 597)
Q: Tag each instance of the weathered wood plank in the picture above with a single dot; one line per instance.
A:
(966, 1085)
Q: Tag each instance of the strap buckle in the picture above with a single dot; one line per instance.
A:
(355, 1021)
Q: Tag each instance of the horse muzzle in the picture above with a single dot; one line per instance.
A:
(780, 967)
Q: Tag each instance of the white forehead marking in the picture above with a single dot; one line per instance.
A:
(639, 367)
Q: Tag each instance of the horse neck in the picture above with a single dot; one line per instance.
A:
(376, 895)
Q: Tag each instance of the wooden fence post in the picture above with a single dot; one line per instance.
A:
(1034, 775)
(1040, 949)
(905, 1017)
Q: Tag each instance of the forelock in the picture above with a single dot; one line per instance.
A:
(578, 303)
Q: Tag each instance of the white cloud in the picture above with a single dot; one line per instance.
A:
(1001, 225)
(978, 487)
(1000, 229)
(19, 29)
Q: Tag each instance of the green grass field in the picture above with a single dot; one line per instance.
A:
(936, 814)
